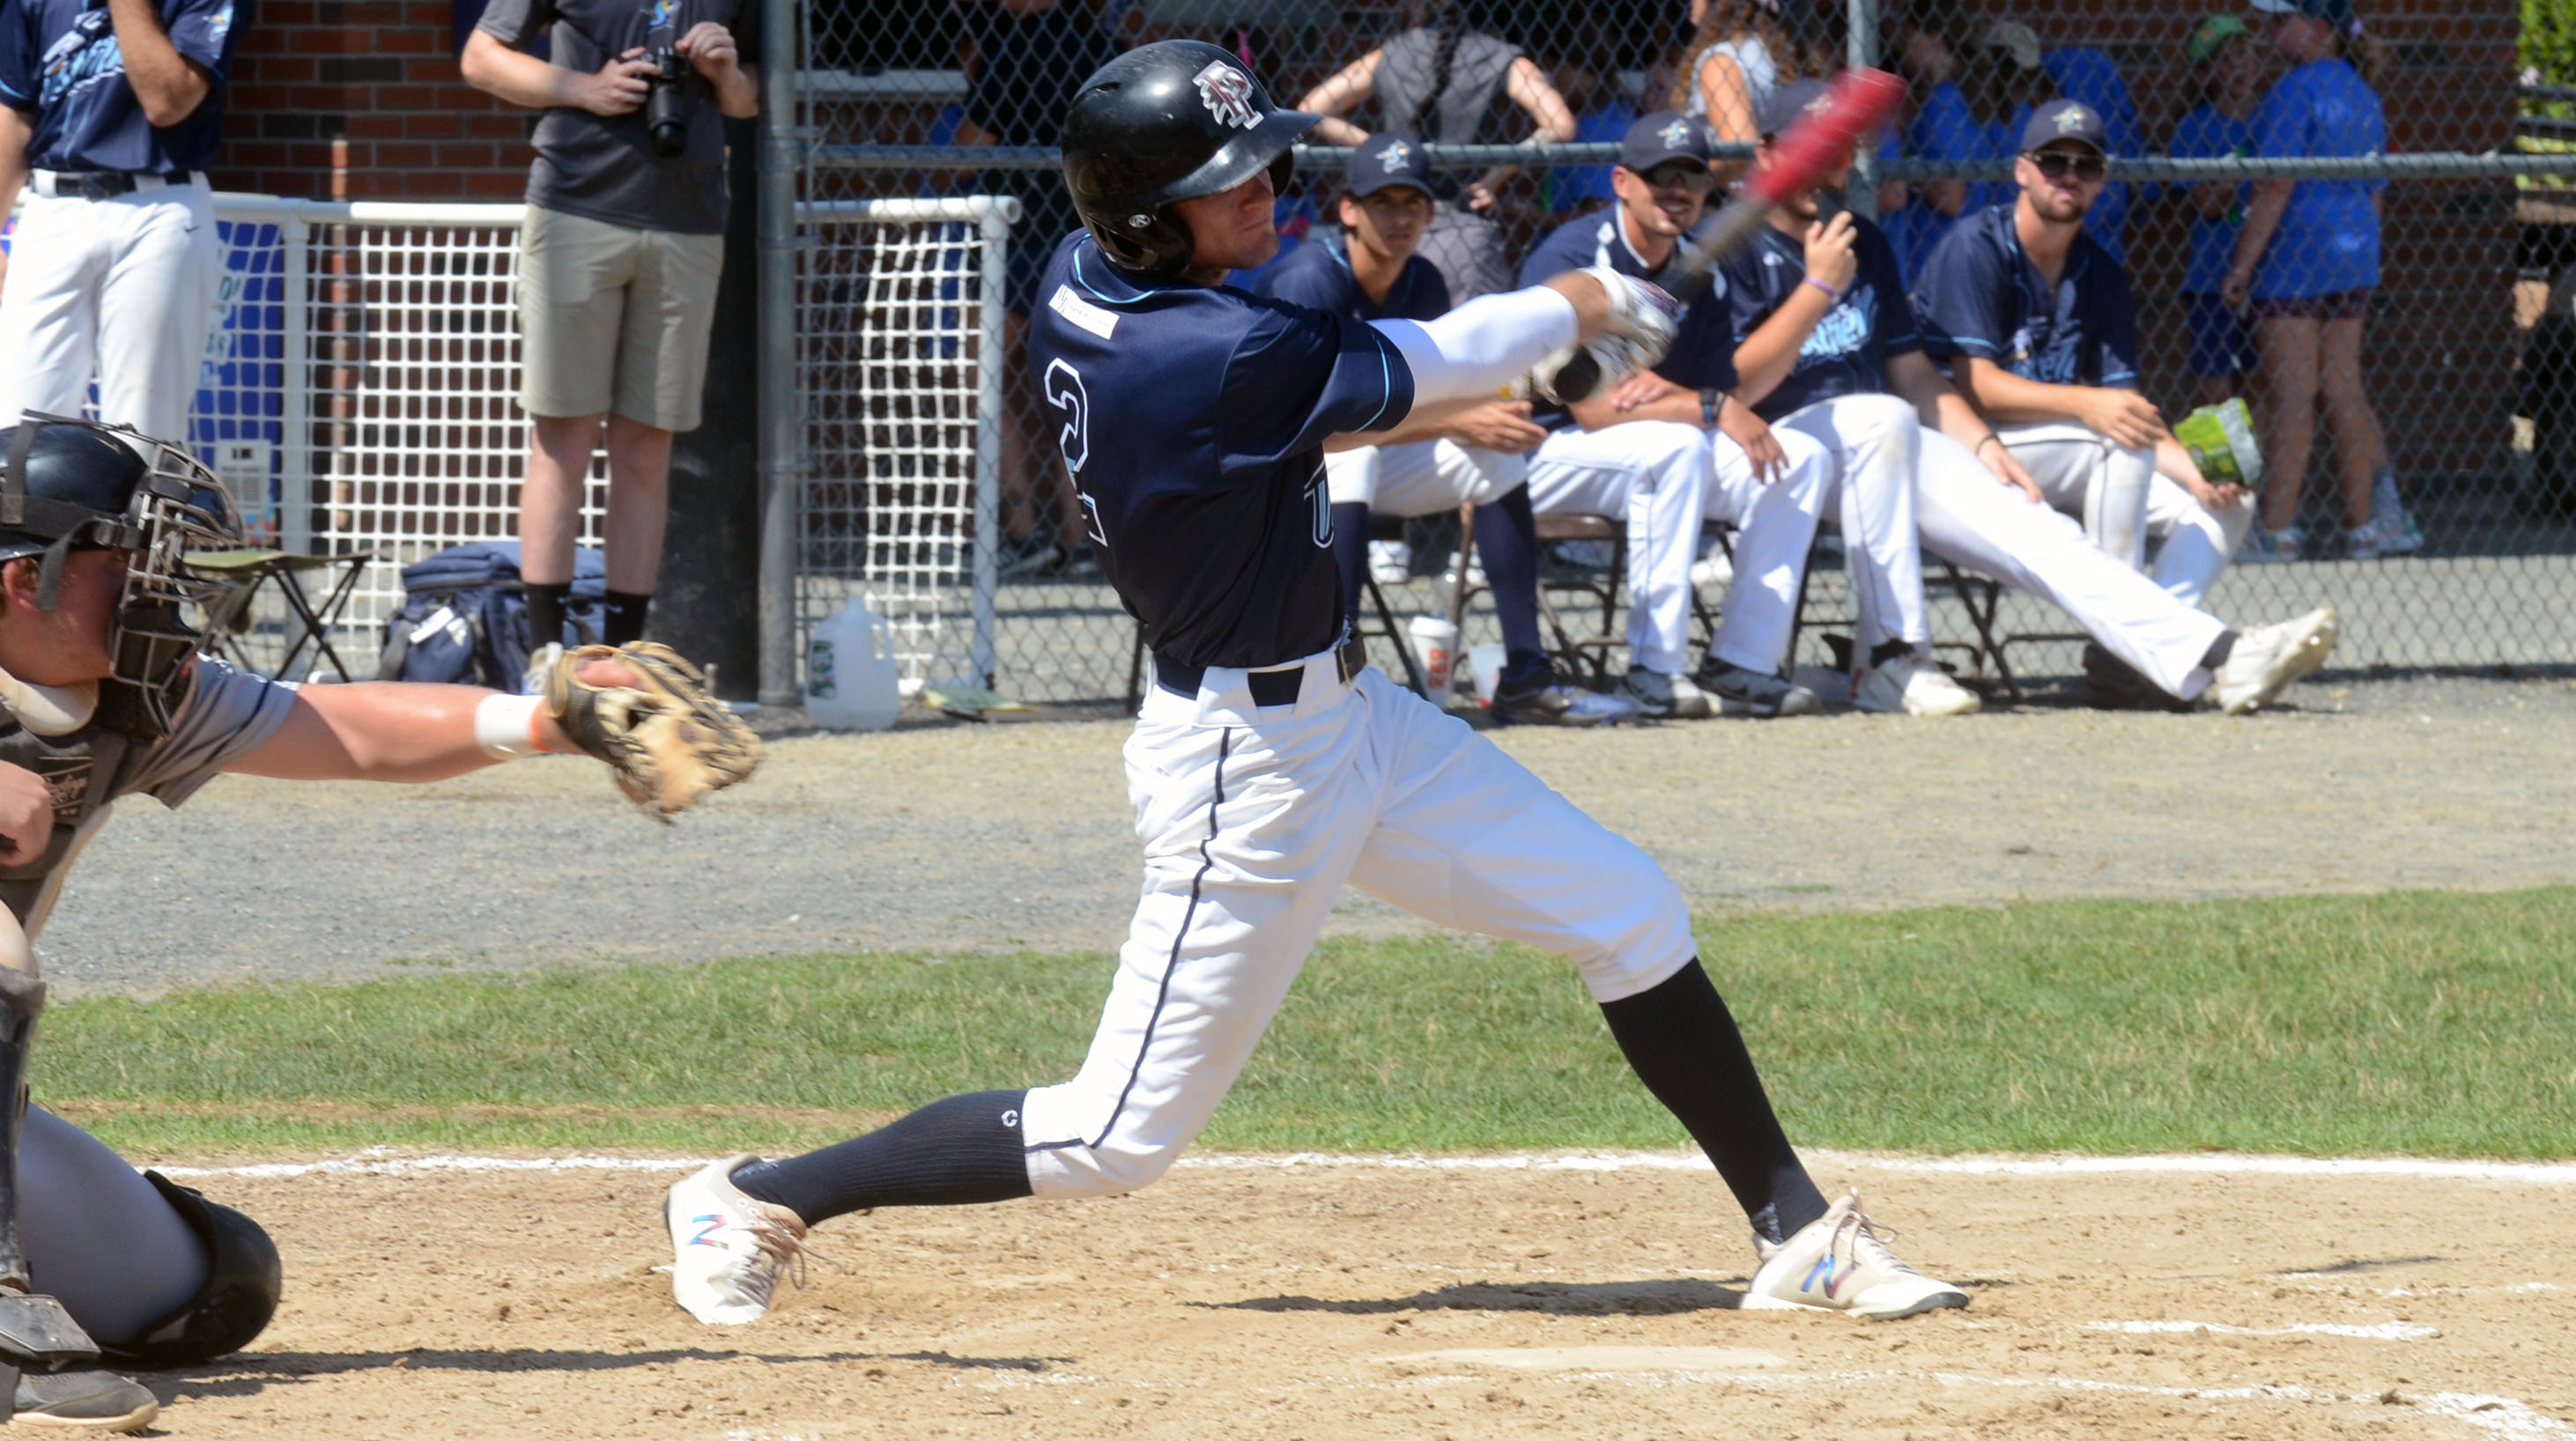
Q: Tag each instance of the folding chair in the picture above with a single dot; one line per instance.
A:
(308, 623)
(1980, 596)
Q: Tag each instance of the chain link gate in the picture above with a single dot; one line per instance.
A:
(2467, 365)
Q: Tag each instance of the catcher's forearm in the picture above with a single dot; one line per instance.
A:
(388, 731)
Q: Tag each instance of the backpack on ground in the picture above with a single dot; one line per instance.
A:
(464, 618)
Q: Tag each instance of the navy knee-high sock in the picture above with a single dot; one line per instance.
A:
(958, 1152)
(1684, 1045)
(1507, 537)
(1350, 553)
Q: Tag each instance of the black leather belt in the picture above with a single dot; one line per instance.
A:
(1268, 687)
(106, 184)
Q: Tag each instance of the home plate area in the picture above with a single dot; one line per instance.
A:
(1332, 1297)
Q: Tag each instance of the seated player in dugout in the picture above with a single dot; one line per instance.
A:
(1670, 448)
(2034, 322)
(1265, 773)
(1823, 325)
(1370, 271)
(104, 695)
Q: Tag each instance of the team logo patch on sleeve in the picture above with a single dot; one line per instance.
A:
(1228, 94)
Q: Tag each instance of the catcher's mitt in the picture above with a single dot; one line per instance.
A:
(666, 743)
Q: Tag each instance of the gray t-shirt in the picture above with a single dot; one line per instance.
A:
(227, 715)
(605, 169)
(1466, 111)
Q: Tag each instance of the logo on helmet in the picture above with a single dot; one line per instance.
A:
(1228, 93)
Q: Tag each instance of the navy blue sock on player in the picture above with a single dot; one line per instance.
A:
(622, 618)
(1683, 1044)
(962, 1151)
(1507, 537)
(1350, 553)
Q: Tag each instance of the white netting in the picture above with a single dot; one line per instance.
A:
(897, 356)
(361, 387)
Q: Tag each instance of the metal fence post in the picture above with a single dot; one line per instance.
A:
(1863, 196)
(781, 470)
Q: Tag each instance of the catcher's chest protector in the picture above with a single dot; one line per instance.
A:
(84, 771)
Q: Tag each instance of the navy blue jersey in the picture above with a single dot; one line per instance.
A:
(1192, 419)
(60, 66)
(1980, 295)
(1318, 276)
(1848, 351)
(1703, 353)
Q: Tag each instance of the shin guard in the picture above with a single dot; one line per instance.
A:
(36, 1333)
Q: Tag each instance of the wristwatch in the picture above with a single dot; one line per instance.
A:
(1711, 400)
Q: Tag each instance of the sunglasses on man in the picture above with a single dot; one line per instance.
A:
(1680, 175)
(2058, 164)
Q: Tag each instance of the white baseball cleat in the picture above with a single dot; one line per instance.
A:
(2268, 658)
(1911, 685)
(1840, 1262)
(728, 1250)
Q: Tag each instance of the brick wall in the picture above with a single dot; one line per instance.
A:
(361, 100)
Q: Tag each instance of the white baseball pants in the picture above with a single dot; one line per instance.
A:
(1970, 518)
(122, 288)
(1775, 526)
(1874, 447)
(2087, 475)
(1423, 477)
(2194, 542)
(1253, 818)
(1655, 475)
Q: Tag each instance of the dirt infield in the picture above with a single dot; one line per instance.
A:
(1471, 1299)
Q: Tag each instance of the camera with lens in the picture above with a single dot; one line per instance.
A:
(670, 99)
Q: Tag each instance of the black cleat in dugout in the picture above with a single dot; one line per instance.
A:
(1169, 121)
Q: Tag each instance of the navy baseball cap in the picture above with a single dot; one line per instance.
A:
(2057, 120)
(1661, 135)
(1385, 160)
(1789, 102)
(2337, 13)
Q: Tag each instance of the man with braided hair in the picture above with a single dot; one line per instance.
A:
(1266, 771)
(103, 695)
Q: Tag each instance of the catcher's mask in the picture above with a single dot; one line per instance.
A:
(78, 485)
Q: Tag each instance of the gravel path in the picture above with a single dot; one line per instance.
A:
(1004, 837)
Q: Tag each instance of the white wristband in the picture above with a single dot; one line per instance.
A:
(505, 726)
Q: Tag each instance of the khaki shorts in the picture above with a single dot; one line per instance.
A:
(614, 319)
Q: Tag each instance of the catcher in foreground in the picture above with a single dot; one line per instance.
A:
(103, 695)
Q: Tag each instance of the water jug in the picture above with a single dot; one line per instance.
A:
(851, 678)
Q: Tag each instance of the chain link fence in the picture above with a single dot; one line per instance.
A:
(2457, 428)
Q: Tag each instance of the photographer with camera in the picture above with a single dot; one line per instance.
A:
(618, 264)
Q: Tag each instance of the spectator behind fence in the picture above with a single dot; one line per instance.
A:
(2038, 327)
(1738, 52)
(2308, 260)
(2226, 76)
(1443, 80)
(1931, 51)
(618, 262)
(1031, 57)
(112, 113)
(1602, 115)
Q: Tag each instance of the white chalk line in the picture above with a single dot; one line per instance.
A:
(2529, 1173)
(2381, 1331)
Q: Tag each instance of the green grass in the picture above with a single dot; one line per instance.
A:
(2434, 1024)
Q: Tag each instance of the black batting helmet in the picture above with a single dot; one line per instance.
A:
(71, 485)
(1169, 121)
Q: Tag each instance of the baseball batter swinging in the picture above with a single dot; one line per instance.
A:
(103, 695)
(1265, 774)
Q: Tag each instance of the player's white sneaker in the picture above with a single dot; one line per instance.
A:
(728, 1250)
(541, 663)
(1840, 1262)
(2267, 658)
(2271, 547)
(1911, 685)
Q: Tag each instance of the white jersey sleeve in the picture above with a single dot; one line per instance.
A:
(1484, 345)
(227, 715)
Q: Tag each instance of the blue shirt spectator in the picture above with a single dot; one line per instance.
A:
(2329, 236)
(2207, 133)
(1944, 129)
(1571, 187)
